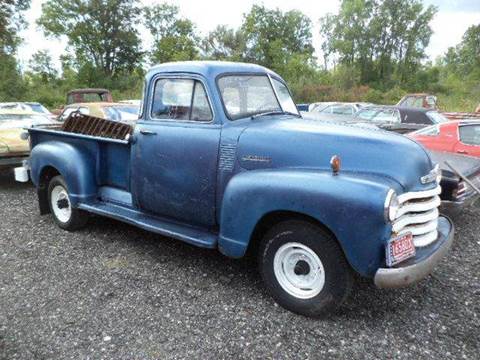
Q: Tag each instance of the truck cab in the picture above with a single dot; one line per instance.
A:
(220, 158)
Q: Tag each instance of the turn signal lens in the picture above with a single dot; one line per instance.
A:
(335, 164)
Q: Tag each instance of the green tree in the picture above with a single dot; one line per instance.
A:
(174, 37)
(102, 33)
(384, 40)
(12, 86)
(41, 65)
(224, 43)
(11, 21)
(464, 59)
(272, 37)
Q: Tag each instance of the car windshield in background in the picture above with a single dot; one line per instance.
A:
(38, 108)
(436, 117)
(122, 113)
(248, 95)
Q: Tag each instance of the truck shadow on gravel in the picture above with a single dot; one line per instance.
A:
(365, 301)
(7, 182)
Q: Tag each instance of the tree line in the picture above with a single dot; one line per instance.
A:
(371, 50)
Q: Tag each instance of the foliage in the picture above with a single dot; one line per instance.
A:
(11, 21)
(102, 33)
(384, 41)
(174, 37)
(372, 50)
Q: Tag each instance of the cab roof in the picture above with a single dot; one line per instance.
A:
(208, 69)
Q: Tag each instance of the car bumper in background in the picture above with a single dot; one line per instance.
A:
(10, 162)
(417, 268)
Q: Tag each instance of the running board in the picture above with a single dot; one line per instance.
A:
(191, 235)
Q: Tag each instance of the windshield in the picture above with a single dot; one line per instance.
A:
(436, 117)
(122, 113)
(38, 108)
(248, 95)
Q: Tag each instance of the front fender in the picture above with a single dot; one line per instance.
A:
(349, 205)
(76, 166)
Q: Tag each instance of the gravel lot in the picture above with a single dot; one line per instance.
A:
(115, 292)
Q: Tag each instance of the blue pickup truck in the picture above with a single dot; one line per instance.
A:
(220, 158)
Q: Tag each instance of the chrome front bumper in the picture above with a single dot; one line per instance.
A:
(417, 268)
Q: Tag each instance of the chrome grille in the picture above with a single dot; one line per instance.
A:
(418, 214)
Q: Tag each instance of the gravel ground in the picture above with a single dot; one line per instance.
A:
(115, 292)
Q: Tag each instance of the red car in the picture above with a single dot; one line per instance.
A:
(462, 137)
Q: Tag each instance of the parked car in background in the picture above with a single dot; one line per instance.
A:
(420, 100)
(14, 149)
(429, 101)
(27, 106)
(104, 110)
(339, 108)
(302, 107)
(457, 193)
(319, 105)
(399, 119)
(89, 95)
(136, 102)
(391, 118)
(462, 137)
(221, 159)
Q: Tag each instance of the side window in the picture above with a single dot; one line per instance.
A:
(408, 102)
(367, 114)
(387, 115)
(200, 107)
(418, 103)
(180, 99)
(470, 134)
(342, 110)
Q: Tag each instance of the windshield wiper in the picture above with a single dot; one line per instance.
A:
(276, 112)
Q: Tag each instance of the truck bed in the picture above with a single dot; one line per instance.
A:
(111, 156)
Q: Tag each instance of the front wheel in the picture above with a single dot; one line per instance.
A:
(66, 216)
(304, 268)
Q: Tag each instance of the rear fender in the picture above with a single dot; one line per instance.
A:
(77, 168)
(350, 206)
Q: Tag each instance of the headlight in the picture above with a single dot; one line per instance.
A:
(391, 206)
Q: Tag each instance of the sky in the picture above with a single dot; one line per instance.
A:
(448, 26)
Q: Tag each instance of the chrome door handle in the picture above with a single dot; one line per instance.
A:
(147, 132)
(461, 151)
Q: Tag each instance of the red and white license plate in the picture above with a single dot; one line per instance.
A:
(399, 249)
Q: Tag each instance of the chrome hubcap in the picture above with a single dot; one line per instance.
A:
(299, 270)
(61, 204)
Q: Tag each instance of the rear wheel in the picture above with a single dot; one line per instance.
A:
(304, 268)
(66, 216)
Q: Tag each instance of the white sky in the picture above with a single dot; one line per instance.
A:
(451, 21)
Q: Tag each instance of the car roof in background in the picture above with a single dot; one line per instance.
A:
(400, 108)
(88, 90)
(99, 104)
(18, 112)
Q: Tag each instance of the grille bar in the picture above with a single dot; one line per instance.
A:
(418, 213)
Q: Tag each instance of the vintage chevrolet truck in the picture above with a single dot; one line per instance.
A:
(220, 158)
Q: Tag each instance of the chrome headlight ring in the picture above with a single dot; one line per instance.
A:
(391, 206)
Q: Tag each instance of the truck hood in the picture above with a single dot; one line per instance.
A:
(277, 142)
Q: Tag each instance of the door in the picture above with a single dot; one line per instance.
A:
(174, 158)
(469, 144)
